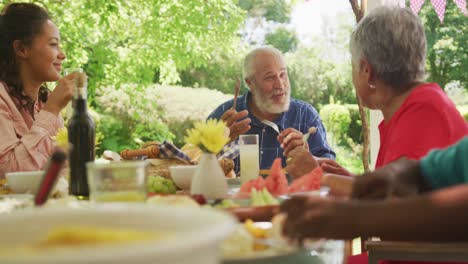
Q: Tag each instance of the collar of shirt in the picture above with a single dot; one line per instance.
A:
(278, 124)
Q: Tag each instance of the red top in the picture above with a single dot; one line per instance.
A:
(427, 119)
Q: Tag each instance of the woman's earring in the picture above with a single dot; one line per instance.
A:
(372, 86)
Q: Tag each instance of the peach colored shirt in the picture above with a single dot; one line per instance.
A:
(25, 142)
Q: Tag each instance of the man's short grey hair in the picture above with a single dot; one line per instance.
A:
(393, 41)
(249, 61)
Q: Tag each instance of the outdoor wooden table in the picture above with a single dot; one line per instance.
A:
(416, 251)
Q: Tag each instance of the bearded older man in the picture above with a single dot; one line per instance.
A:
(268, 110)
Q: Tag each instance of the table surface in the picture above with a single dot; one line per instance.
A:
(329, 252)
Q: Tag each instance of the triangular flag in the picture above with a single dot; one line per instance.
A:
(462, 5)
(439, 6)
(416, 5)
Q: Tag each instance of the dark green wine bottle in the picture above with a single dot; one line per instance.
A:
(81, 136)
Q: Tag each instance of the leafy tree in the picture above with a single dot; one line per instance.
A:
(119, 42)
(128, 41)
(283, 39)
(447, 52)
(273, 10)
(225, 66)
(314, 78)
(220, 73)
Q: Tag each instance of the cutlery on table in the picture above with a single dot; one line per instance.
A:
(236, 93)
(50, 177)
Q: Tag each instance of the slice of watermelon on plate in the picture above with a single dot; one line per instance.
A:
(276, 183)
(309, 182)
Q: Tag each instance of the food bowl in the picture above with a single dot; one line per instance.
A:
(182, 175)
(24, 181)
(190, 235)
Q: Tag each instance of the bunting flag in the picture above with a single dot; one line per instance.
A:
(439, 6)
(462, 5)
(416, 5)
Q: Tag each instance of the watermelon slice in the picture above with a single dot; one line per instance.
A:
(276, 183)
(258, 184)
(309, 182)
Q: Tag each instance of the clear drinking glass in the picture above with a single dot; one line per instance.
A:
(249, 157)
(67, 71)
(117, 181)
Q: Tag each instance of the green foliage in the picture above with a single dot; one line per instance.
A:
(220, 73)
(183, 106)
(283, 39)
(272, 10)
(343, 125)
(336, 119)
(122, 41)
(314, 79)
(447, 52)
(130, 115)
(350, 158)
(355, 127)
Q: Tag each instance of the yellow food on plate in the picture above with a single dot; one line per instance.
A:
(239, 244)
(120, 196)
(256, 231)
(76, 236)
(85, 235)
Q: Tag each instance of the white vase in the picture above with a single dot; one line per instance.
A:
(209, 178)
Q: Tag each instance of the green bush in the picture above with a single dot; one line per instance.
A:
(337, 120)
(182, 106)
(129, 116)
(350, 158)
(355, 127)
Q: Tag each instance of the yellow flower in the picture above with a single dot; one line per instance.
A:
(209, 136)
(61, 139)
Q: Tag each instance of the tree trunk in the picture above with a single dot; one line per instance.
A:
(359, 13)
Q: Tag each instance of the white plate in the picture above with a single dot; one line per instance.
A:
(323, 191)
(290, 254)
(196, 233)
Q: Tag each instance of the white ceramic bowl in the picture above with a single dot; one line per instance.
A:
(196, 234)
(182, 175)
(24, 181)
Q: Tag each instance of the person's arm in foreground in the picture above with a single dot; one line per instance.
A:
(440, 169)
(436, 216)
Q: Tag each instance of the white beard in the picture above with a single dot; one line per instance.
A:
(267, 105)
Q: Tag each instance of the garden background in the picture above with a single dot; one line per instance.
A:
(155, 67)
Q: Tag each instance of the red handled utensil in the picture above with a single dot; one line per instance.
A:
(50, 177)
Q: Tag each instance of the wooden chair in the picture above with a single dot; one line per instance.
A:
(416, 251)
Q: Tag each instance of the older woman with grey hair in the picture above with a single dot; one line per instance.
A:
(388, 50)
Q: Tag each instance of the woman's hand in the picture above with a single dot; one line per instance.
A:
(236, 122)
(290, 139)
(319, 217)
(62, 94)
(331, 166)
(300, 162)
